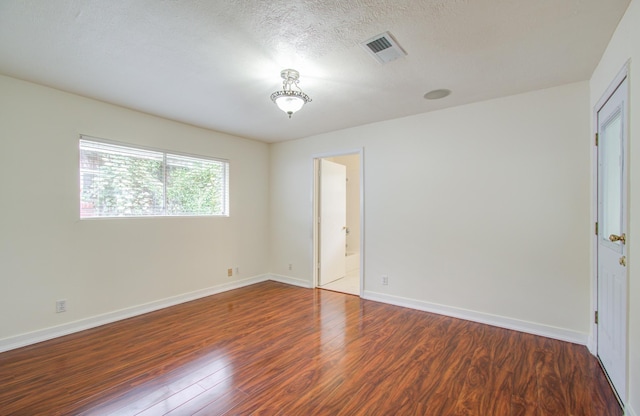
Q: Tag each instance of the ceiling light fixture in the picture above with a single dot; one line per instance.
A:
(289, 100)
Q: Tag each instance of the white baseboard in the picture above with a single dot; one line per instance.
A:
(290, 280)
(591, 344)
(22, 340)
(29, 338)
(483, 318)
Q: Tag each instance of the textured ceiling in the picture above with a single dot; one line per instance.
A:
(214, 64)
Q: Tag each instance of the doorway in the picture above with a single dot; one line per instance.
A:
(338, 250)
(611, 247)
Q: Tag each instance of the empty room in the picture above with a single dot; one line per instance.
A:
(319, 207)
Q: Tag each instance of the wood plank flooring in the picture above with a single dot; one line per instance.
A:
(273, 349)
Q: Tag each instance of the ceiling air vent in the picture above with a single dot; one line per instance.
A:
(383, 48)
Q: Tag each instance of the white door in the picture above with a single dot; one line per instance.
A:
(612, 225)
(333, 221)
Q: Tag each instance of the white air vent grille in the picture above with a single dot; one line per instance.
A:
(383, 48)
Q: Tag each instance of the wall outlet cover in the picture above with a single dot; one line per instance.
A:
(61, 305)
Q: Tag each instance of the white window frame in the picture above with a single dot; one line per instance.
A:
(164, 154)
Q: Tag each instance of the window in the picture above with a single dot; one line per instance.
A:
(123, 181)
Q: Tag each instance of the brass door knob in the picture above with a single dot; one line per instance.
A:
(623, 261)
(615, 238)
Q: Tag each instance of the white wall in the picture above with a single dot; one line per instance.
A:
(106, 265)
(483, 208)
(624, 45)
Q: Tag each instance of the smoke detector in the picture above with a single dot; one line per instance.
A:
(383, 48)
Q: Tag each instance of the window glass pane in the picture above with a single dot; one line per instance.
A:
(195, 186)
(611, 166)
(118, 181)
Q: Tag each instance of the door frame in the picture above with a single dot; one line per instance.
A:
(316, 210)
(593, 343)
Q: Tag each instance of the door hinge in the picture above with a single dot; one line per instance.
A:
(596, 228)
(596, 139)
(595, 317)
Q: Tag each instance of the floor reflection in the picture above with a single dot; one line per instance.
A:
(168, 392)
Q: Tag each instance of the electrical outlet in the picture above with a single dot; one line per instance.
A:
(385, 280)
(290, 266)
(237, 270)
(61, 305)
(229, 272)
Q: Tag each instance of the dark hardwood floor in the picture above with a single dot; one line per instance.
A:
(273, 349)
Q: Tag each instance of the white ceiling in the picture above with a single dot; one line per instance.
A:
(214, 63)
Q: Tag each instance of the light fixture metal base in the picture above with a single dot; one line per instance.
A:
(290, 75)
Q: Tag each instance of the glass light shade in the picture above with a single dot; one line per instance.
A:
(287, 99)
(289, 103)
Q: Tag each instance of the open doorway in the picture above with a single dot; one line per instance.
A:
(338, 220)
